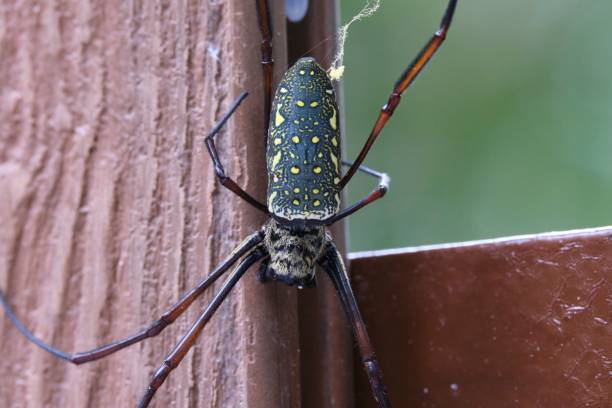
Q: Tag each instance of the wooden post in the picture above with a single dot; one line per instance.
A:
(326, 344)
(110, 209)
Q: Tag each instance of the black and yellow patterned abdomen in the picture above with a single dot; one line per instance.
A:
(303, 156)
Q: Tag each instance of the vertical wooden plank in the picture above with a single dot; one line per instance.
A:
(325, 339)
(110, 208)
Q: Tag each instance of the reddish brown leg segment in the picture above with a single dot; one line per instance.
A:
(333, 265)
(154, 328)
(378, 192)
(180, 350)
(267, 63)
(225, 180)
(401, 85)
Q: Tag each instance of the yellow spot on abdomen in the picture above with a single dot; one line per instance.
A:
(314, 104)
(295, 139)
(316, 203)
(315, 191)
(334, 141)
(317, 170)
(275, 160)
(295, 170)
(332, 120)
(302, 72)
(300, 103)
(315, 139)
(277, 141)
(296, 202)
(296, 190)
(278, 118)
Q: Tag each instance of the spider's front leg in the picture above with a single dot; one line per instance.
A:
(404, 81)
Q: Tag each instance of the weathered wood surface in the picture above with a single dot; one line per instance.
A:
(110, 209)
(523, 322)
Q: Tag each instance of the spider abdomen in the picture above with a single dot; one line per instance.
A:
(303, 156)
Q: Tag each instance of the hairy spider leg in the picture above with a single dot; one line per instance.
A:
(154, 328)
(401, 85)
(331, 261)
(184, 345)
(381, 189)
(224, 179)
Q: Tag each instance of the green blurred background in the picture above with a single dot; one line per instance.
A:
(507, 131)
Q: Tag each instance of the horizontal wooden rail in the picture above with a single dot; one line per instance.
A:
(517, 322)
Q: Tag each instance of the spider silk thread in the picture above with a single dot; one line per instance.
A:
(336, 69)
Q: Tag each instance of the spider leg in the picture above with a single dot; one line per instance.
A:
(378, 192)
(184, 345)
(401, 85)
(267, 63)
(226, 181)
(331, 261)
(154, 328)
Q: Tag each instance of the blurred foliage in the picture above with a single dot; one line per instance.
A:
(507, 131)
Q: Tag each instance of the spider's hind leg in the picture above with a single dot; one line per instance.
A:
(223, 178)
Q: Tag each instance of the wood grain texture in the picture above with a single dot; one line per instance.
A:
(110, 208)
(518, 322)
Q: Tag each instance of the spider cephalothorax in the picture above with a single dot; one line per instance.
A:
(294, 252)
(304, 185)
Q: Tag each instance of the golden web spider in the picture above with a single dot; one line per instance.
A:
(304, 185)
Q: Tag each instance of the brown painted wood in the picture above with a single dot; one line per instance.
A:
(519, 322)
(110, 208)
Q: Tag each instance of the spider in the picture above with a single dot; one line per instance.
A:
(303, 198)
